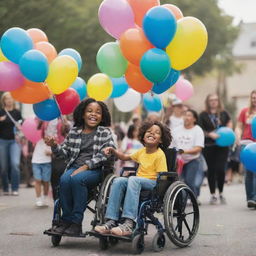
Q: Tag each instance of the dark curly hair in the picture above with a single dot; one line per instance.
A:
(166, 134)
(79, 113)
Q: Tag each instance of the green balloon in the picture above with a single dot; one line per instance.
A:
(111, 61)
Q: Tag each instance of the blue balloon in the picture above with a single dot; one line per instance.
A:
(159, 26)
(152, 102)
(73, 53)
(155, 65)
(171, 79)
(248, 157)
(226, 137)
(120, 87)
(80, 86)
(34, 66)
(253, 127)
(46, 110)
(14, 43)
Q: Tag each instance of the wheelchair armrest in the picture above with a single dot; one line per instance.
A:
(128, 171)
(166, 174)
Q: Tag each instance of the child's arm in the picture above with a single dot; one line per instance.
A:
(119, 155)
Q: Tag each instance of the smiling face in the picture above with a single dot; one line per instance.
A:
(189, 119)
(152, 137)
(92, 115)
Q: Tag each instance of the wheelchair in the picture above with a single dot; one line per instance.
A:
(171, 198)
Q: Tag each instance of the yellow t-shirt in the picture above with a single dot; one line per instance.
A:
(149, 164)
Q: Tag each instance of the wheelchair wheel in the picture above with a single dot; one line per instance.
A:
(158, 242)
(181, 214)
(55, 240)
(103, 243)
(138, 244)
(102, 201)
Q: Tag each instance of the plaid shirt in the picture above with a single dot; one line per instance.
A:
(70, 148)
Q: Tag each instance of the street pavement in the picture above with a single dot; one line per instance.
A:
(225, 230)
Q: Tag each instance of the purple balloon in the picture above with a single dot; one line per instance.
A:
(10, 76)
(116, 16)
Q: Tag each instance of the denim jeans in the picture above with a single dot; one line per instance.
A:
(129, 190)
(10, 152)
(250, 185)
(74, 193)
(192, 174)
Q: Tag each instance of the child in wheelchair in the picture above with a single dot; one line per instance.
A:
(151, 159)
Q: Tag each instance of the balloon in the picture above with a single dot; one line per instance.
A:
(253, 127)
(10, 76)
(226, 137)
(31, 93)
(171, 79)
(248, 158)
(63, 72)
(136, 80)
(14, 43)
(189, 43)
(159, 26)
(2, 57)
(184, 89)
(128, 102)
(174, 9)
(99, 87)
(115, 17)
(155, 65)
(29, 129)
(152, 102)
(34, 66)
(110, 60)
(73, 53)
(140, 7)
(80, 86)
(68, 101)
(37, 35)
(134, 44)
(47, 110)
(48, 49)
(120, 87)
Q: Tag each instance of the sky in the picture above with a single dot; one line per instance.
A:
(241, 9)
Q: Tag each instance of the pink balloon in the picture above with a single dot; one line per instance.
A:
(29, 128)
(10, 76)
(184, 89)
(116, 16)
(68, 101)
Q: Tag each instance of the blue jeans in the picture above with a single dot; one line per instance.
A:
(10, 152)
(250, 185)
(129, 190)
(74, 193)
(192, 174)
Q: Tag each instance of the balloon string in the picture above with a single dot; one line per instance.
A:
(61, 116)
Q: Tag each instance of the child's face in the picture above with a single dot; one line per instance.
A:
(153, 136)
(92, 115)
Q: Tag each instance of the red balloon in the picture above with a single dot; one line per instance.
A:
(68, 101)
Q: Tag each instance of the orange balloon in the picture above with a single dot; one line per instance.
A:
(140, 7)
(37, 35)
(134, 44)
(175, 10)
(136, 80)
(48, 49)
(31, 93)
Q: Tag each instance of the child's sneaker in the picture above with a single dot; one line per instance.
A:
(105, 228)
(45, 201)
(124, 229)
(39, 202)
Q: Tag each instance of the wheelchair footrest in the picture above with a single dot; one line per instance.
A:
(98, 235)
(49, 232)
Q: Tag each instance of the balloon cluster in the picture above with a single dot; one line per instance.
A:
(34, 73)
(154, 43)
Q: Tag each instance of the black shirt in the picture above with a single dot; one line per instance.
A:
(211, 122)
(7, 126)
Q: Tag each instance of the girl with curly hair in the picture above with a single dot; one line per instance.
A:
(82, 149)
(151, 159)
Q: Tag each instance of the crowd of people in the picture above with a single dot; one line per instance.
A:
(71, 155)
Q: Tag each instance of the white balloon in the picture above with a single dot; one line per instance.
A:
(128, 102)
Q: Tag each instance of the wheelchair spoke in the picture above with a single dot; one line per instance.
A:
(190, 213)
(187, 226)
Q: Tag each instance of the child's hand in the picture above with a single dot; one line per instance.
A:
(108, 151)
(50, 141)
(48, 153)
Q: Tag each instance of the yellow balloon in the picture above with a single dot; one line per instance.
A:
(99, 86)
(63, 71)
(2, 57)
(188, 44)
